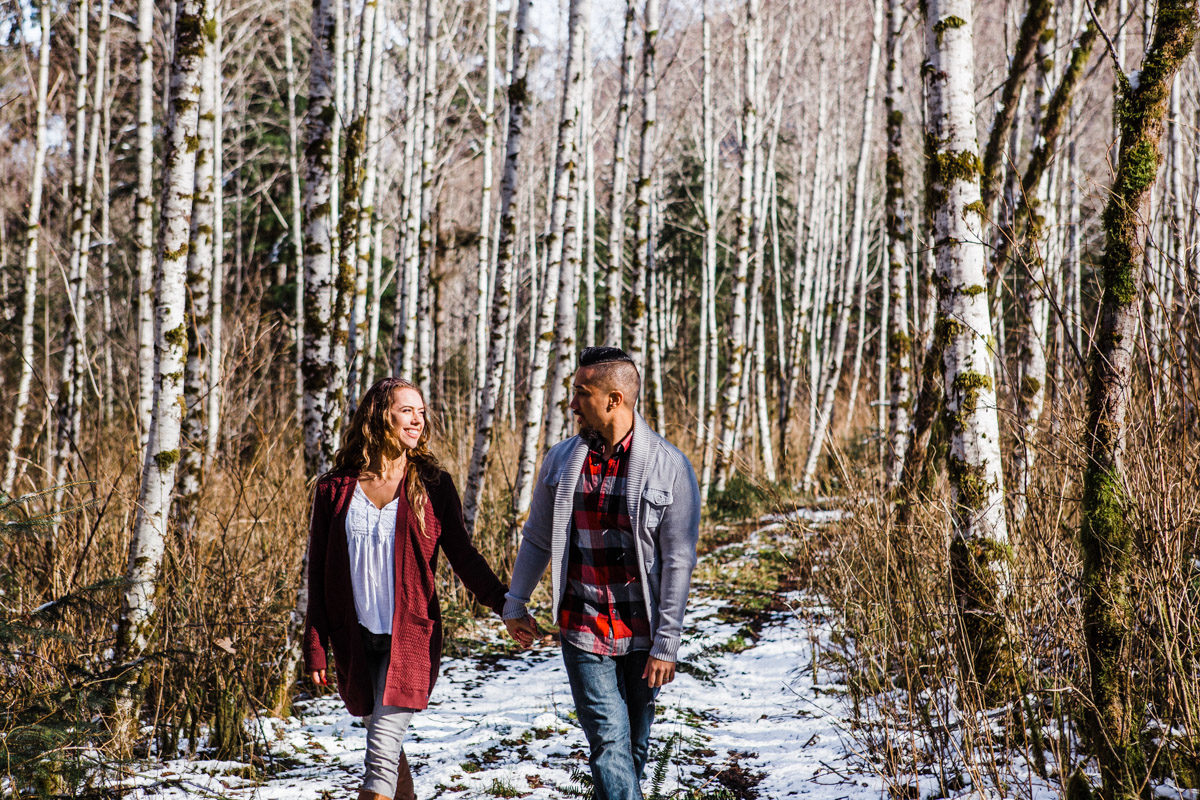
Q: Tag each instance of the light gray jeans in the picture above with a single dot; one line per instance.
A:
(385, 734)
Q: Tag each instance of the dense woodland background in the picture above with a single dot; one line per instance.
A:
(935, 265)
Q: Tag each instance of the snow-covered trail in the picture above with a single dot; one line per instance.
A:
(752, 713)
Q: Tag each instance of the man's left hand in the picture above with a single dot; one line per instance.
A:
(658, 672)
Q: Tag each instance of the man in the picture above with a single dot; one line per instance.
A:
(616, 515)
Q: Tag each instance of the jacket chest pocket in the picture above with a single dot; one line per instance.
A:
(654, 505)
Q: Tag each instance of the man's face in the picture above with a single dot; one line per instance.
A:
(590, 403)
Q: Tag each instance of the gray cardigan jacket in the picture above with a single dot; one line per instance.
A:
(664, 509)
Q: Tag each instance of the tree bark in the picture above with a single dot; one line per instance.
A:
(979, 552)
(899, 342)
(566, 160)
(318, 365)
(32, 250)
(506, 253)
(645, 238)
(148, 540)
(1114, 714)
(738, 328)
(854, 269)
(613, 311)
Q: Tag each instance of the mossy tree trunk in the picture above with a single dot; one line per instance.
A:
(148, 540)
(979, 555)
(317, 363)
(1107, 530)
(199, 293)
(1041, 262)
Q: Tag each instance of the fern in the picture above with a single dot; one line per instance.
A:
(662, 762)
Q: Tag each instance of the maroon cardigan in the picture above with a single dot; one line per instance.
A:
(416, 621)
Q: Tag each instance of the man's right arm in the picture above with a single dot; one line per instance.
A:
(534, 554)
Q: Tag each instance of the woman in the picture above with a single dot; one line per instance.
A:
(378, 520)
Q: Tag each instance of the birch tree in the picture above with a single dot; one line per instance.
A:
(421, 366)
(1107, 535)
(979, 561)
(33, 227)
(317, 365)
(499, 341)
(199, 287)
(644, 238)
(483, 282)
(620, 180)
(69, 396)
(854, 269)
(565, 162)
(148, 540)
(741, 271)
(899, 343)
(143, 211)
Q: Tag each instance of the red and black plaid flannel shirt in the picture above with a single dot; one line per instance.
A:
(602, 610)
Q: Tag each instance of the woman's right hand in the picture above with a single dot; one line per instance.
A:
(318, 677)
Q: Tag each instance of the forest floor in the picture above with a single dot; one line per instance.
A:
(757, 710)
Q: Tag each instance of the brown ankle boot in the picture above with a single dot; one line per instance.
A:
(404, 780)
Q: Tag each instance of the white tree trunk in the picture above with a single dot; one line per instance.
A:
(899, 343)
(645, 238)
(421, 367)
(318, 366)
(199, 287)
(564, 177)
(704, 434)
(854, 270)
(979, 565)
(215, 361)
(404, 346)
(483, 282)
(143, 212)
(502, 332)
(30, 265)
(295, 225)
(148, 540)
(613, 311)
(741, 273)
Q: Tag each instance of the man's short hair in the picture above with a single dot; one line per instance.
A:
(614, 369)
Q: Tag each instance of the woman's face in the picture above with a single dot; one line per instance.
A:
(406, 415)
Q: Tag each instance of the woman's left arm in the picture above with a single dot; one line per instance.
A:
(468, 564)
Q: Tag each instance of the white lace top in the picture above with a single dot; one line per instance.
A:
(371, 540)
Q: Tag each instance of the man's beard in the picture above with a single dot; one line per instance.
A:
(591, 437)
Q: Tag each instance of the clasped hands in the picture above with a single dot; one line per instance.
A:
(525, 629)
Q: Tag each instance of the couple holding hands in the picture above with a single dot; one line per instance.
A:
(615, 515)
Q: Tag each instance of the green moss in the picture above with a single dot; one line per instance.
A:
(1030, 386)
(969, 384)
(974, 289)
(948, 23)
(970, 483)
(950, 166)
(945, 329)
(977, 207)
(1139, 166)
(175, 255)
(177, 336)
(166, 459)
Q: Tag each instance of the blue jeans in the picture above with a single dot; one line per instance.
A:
(615, 707)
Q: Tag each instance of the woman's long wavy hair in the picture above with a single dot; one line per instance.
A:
(369, 438)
